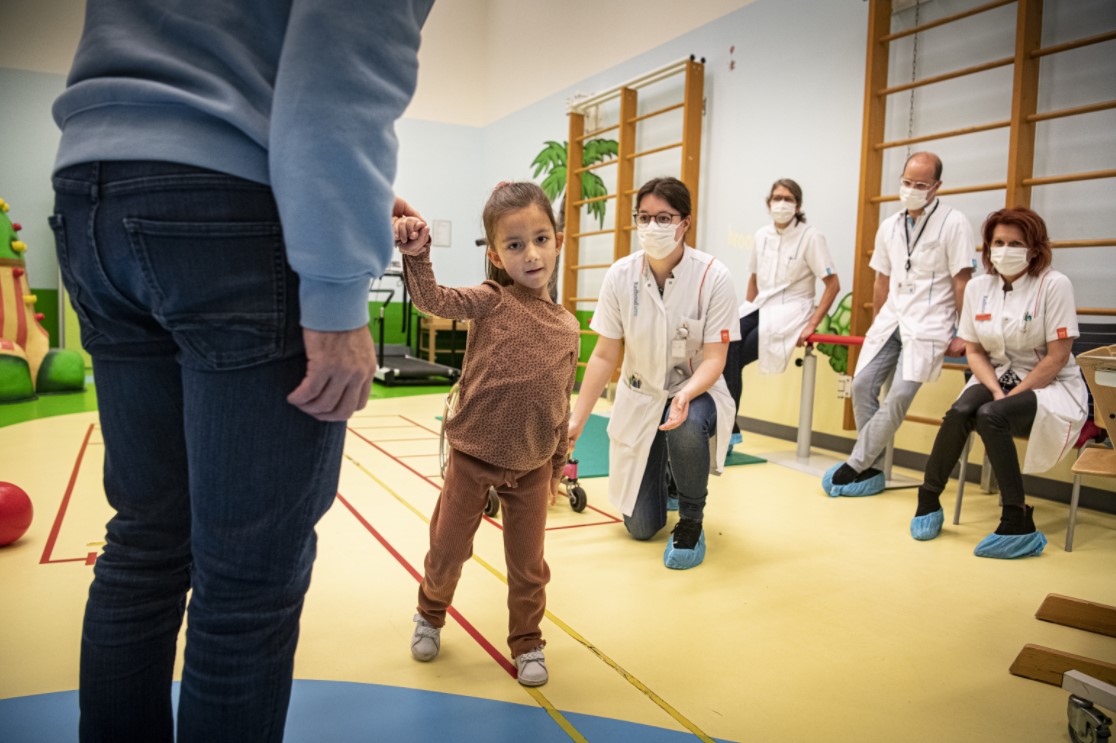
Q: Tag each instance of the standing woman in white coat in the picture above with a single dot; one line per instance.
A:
(1018, 323)
(674, 310)
(778, 313)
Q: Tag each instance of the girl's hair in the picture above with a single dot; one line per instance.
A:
(1039, 253)
(670, 190)
(796, 192)
(509, 197)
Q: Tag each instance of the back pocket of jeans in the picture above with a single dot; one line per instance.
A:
(221, 288)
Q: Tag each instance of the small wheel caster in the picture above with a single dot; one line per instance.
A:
(1087, 724)
(578, 499)
(492, 507)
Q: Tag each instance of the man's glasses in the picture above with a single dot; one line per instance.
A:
(916, 185)
(663, 220)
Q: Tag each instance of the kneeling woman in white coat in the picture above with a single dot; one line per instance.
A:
(1018, 323)
(674, 310)
(778, 313)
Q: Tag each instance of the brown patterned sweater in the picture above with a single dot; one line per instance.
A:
(513, 405)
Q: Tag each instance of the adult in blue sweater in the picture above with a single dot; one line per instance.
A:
(223, 197)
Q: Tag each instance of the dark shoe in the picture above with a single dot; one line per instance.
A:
(845, 475)
(686, 547)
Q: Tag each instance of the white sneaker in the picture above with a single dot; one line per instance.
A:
(531, 668)
(426, 640)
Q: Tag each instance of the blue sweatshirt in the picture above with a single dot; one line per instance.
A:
(301, 95)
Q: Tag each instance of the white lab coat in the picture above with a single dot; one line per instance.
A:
(920, 301)
(787, 266)
(657, 362)
(1014, 328)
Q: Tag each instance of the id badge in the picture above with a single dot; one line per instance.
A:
(678, 348)
(907, 288)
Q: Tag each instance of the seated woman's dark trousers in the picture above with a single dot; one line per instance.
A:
(997, 422)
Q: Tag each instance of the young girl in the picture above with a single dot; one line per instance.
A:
(510, 427)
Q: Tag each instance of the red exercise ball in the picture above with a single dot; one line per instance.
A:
(15, 513)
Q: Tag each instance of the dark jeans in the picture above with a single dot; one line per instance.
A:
(740, 354)
(685, 450)
(190, 312)
(996, 422)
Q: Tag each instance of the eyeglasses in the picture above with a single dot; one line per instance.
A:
(663, 219)
(916, 185)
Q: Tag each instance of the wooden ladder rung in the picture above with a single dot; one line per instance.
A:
(1070, 177)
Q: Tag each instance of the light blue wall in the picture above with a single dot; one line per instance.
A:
(28, 141)
(789, 107)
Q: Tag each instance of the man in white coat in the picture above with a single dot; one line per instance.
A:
(924, 256)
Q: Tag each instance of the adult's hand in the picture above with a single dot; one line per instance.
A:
(402, 209)
(955, 348)
(574, 432)
(339, 370)
(679, 411)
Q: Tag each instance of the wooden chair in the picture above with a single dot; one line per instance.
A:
(1099, 367)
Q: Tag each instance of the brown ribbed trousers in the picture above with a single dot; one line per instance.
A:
(523, 502)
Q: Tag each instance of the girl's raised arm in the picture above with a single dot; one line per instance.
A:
(461, 303)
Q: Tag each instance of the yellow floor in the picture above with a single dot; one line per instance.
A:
(811, 617)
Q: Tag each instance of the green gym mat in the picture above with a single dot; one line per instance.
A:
(591, 451)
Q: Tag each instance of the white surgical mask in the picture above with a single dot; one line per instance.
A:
(657, 240)
(1010, 260)
(911, 198)
(782, 211)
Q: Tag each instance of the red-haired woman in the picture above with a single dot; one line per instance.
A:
(1018, 323)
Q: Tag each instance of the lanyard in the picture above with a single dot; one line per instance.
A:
(907, 231)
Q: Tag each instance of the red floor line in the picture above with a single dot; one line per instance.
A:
(416, 423)
(497, 524)
(394, 458)
(411, 469)
(57, 526)
(591, 507)
(364, 417)
(581, 526)
(465, 624)
(387, 427)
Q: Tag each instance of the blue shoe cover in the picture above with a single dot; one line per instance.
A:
(927, 527)
(678, 559)
(672, 503)
(827, 479)
(733, 441)
(874, 485)
(1011, 546)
